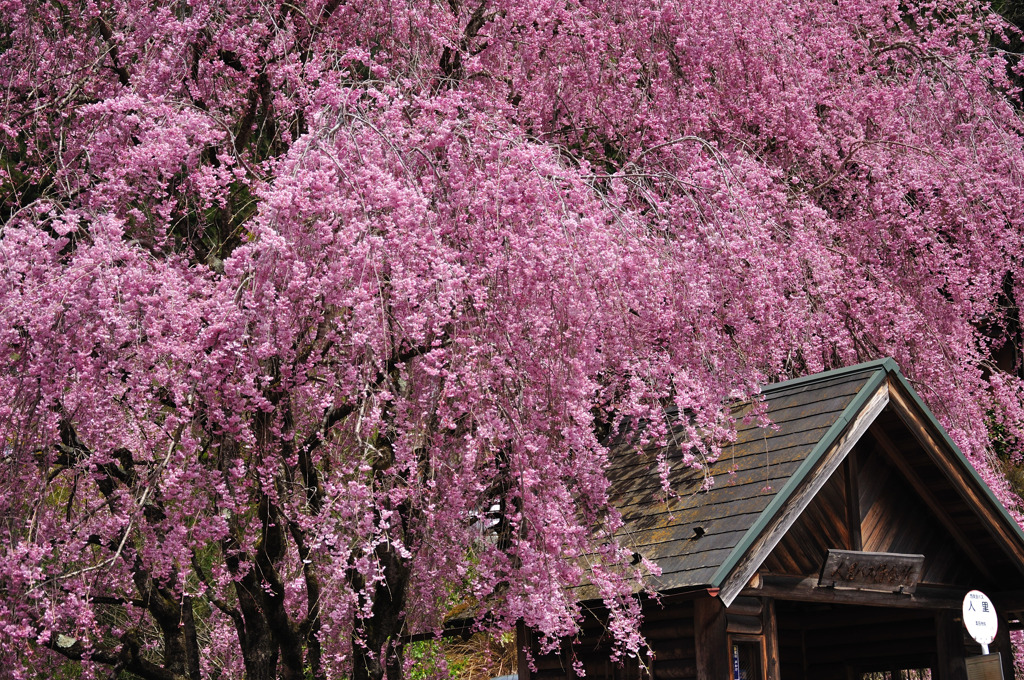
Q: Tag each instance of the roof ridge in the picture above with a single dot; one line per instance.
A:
(887, 363)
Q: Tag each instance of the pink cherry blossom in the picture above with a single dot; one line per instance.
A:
(318, 317)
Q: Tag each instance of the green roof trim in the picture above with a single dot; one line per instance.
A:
(882, 368)
(887, 363)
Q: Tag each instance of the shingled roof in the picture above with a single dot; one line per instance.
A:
(718, 538)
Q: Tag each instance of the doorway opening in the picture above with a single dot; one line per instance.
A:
(845, 642)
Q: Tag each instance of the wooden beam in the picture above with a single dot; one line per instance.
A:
(711, 639)
(948, 460)
(892, 453)
(801, 497)
(745, 606)
(803, 589)
(1007, 601)
(823, 621)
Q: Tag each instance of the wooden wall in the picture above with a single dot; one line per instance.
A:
(669, 630)
(688, 640)
(888, 516)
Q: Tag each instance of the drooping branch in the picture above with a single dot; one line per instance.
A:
(172, 613)
(126, 658)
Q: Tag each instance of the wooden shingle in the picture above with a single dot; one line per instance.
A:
(690, 534)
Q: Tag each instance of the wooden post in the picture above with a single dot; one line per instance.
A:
(949, 640)
(711, 639)
(771, 639)
(524, 641)
(1003, 645)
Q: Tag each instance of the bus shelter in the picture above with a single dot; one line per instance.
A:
(836, 545)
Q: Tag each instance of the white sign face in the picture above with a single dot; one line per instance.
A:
(980, 617)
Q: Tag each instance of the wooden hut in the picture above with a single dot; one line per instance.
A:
(838, 544)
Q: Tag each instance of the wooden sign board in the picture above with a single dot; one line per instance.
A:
(879, 572)
(987, 667)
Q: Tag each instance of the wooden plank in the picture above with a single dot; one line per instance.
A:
(779, 401)
(658, 535)
(746, 483)
(669, 608)
(801, 497)
(690, 498)
(782, 449)
(925, 493)
(688, 546)
(756, 487)
(796, 419)
(745, 606)
(806, 431)
(809, 419)
(644, 468)
(851, 474)
(897, 520)
(697, 562)
(755, 478)
(821, 526)
(785, 434)
(680, 649)
(848, 384)
(648, 477)
(711, 639)
(675, 513)
(726, 503)
(883, 572)
(674, 670)
(783, 410)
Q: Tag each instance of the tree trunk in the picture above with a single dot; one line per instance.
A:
(380, 654)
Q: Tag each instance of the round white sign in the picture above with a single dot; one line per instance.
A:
(980, 617)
